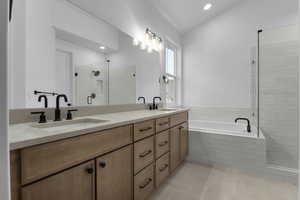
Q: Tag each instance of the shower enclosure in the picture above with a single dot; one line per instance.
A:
(277, 95)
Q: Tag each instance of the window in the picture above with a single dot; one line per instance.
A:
(170, 61)
(170, 77)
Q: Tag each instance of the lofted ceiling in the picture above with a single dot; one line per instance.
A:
(186, 14)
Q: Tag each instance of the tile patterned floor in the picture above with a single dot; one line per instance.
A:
(198, 182)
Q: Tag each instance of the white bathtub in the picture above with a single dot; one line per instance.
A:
(223, 128)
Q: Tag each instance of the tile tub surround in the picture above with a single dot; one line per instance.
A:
(24, 135)
(234, 151)
(246, 154)
(201, 182)
(223, 114)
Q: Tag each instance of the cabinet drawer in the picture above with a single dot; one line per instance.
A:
(144, 183)
(162, 144)
(143, 154)
(143, 129)
(43, 160)
(162, 170)
(162, 124)
(178, 118)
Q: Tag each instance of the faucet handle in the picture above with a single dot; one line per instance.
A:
(43, 118)
(69, 114)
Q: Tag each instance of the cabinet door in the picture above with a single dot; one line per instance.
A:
(175, 147)
(184, 140)
(76, 184)
(115, 175)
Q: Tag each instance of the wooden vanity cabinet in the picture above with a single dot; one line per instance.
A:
(175, 148)
(184, 141)
(115, 175)
(126, 163)
(178, 145)
(144, 183)
(43, 160)
(76, 183)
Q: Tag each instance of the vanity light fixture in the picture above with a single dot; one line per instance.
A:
(207, 6)
(151, 42)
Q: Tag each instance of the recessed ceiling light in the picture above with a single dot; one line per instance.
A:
(102, 47)
(207, 6)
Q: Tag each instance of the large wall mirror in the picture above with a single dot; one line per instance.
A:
(57, 47)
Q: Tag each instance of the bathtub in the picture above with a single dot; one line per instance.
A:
(223, 128)
(226, 144)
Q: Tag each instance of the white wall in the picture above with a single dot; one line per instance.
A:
(17, 56)
(71, 19)
(40, 48)
(4, 158)
(299, 109)
(217, 53)
(147, 72)
(131, 17)
(217, 72)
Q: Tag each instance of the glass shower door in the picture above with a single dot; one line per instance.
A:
(278, 94)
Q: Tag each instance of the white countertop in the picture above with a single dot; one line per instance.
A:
(24, 135)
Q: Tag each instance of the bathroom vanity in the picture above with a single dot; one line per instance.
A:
(121, 159)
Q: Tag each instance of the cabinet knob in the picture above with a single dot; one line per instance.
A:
(102, 164)
(90, 170)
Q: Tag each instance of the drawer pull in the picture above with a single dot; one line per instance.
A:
(164, 168)
(145, 129)
(163, 143)
(90, 170)
(146, 153)
(163, 123)
(147, 182)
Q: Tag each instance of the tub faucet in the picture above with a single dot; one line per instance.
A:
(248, 123)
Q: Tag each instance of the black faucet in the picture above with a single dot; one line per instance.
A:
(154, 106)
(45, 100)
(144, 99)
(43, 118)
(248, 123)
(57, 110)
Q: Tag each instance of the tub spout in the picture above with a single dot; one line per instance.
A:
(248, 123)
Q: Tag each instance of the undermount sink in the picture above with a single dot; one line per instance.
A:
(63, 125)
(168, 109)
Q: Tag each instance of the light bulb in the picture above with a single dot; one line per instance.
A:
(147, 36)
(160, 46)
(207, 6)
(143, 46)
(135, 42)
(149, 50)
